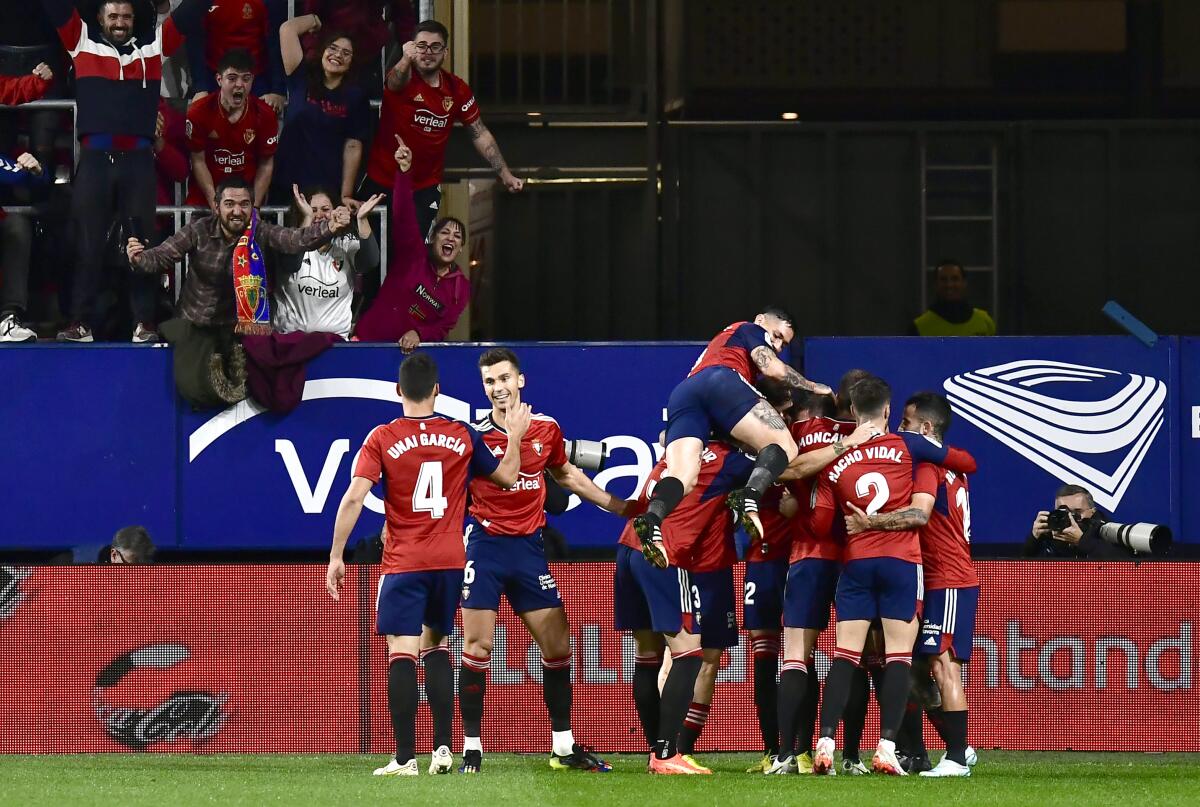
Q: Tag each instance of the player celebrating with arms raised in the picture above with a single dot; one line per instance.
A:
(505, 556)
(718, 396)
(425, 460)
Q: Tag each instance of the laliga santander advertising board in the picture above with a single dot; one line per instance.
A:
(1068, 655)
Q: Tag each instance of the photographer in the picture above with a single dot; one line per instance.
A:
(1072, 530)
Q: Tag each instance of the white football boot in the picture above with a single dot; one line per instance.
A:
(394, 768)
(442, 761)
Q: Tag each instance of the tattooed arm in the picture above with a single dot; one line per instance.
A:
(914, 516)
(485, 144)
(769, 364)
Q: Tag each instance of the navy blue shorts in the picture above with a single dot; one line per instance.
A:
(714, 399)
(514, 566)
(948, 622)
(762, 599)
(649, 598)
(408, 600)
(879, 588)
(811, 583)
(713, 595)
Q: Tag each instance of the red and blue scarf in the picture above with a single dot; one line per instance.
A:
(250, 283)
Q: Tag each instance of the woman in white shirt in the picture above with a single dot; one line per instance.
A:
(314, 292)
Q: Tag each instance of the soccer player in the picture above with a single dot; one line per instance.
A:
(718, 396)
(425, 460)
(881, 577)
(952, 587)
(505, 557)
(231, 133)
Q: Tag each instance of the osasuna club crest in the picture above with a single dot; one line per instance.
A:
(1095, 430)
(537, 447)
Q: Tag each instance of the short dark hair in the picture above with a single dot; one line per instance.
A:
(934, 408)
(432, 27)
(237, 58)
(818, 406)
(495, 355)
(848, 380)
(234, 182)
(779, 312)
(1075, 490)
(134, 544)
(950, 262)
(442, 222)
(870, 395)
(775, 391)
(418, 377)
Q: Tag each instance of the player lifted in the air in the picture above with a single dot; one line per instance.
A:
(951, 585)
(505, 556)
(881, 577)
(718, 396)
(425, 461)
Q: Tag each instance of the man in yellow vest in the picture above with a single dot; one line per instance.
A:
(951, 313)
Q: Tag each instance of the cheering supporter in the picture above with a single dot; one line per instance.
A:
(425, 292)
(249, 25)
(23, 89)
(328, 117)
(314, 292)
(362, 21)
(116, 95)
(421, 102)
(231, 133)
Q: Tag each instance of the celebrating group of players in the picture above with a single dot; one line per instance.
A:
(750, 442)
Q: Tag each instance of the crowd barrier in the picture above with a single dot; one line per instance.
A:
(101, 439)
(1068, 655)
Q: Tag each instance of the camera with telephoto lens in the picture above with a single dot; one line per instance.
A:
(586, 454)
(1148, 539)
(1058, 520)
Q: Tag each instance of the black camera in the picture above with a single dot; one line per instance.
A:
(1058, 520)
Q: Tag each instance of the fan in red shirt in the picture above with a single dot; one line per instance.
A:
(881, 578)
(505, 556)
(425, 461)
(250, 25)
(421, 106)
(952, 587)
(231, 133)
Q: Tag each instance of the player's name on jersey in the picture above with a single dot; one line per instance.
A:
(824, 438)
(889, 453)
(447, 442)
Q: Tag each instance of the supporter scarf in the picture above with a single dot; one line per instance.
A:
(250, 283)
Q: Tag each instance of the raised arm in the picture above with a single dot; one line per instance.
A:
(398, 76)
(22, 90)
(290, 50)
(408, 243)
(293, 240)
(769, 364)
(163, 257)
(485, 144)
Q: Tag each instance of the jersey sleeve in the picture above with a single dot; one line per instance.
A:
(369, 463)
(925, 479)
(959, 460)
(749, 336)
(196, 128)
(465, 107)
(358, 124)
(558, 449)
(483, 464)
(952, 459)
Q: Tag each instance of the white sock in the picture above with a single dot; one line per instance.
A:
(563, 742)
(472, 744)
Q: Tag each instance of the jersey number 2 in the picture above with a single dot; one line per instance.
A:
(873, 482)
(964, 505)
(427, 495)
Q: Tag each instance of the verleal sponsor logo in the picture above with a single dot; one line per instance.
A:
(1097, 437)
(197, 716)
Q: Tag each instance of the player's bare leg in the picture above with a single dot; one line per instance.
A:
(851, 637)
(479, 628)
(765, 645)
(549, 628)
(686, 659)
(402, 703)
(951, 720)
(702, 695)
(439, 691)
(683, 469)
(798, 645)
(764, 432)
(898, 638)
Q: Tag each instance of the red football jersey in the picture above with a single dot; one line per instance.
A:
(520, 510)
(731, 348)
(946, 539)
(230, 149)
(425, 464)
(698, 535)
(233, 24)
(776, 528)
(423, 117)
(878, 477)
(812, 435)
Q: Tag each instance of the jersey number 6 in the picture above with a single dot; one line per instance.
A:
(427, 495)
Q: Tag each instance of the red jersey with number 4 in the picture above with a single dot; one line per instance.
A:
(776, 529)
(731, 348)
(230, 149)
(425, 464)
(946, 539)
(521, 509)
(877, 477)
(698, 535)
(423, 117)
(813, 435)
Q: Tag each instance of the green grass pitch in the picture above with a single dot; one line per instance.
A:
(1002, 777)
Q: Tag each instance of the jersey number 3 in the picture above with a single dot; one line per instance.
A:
(427, 495)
